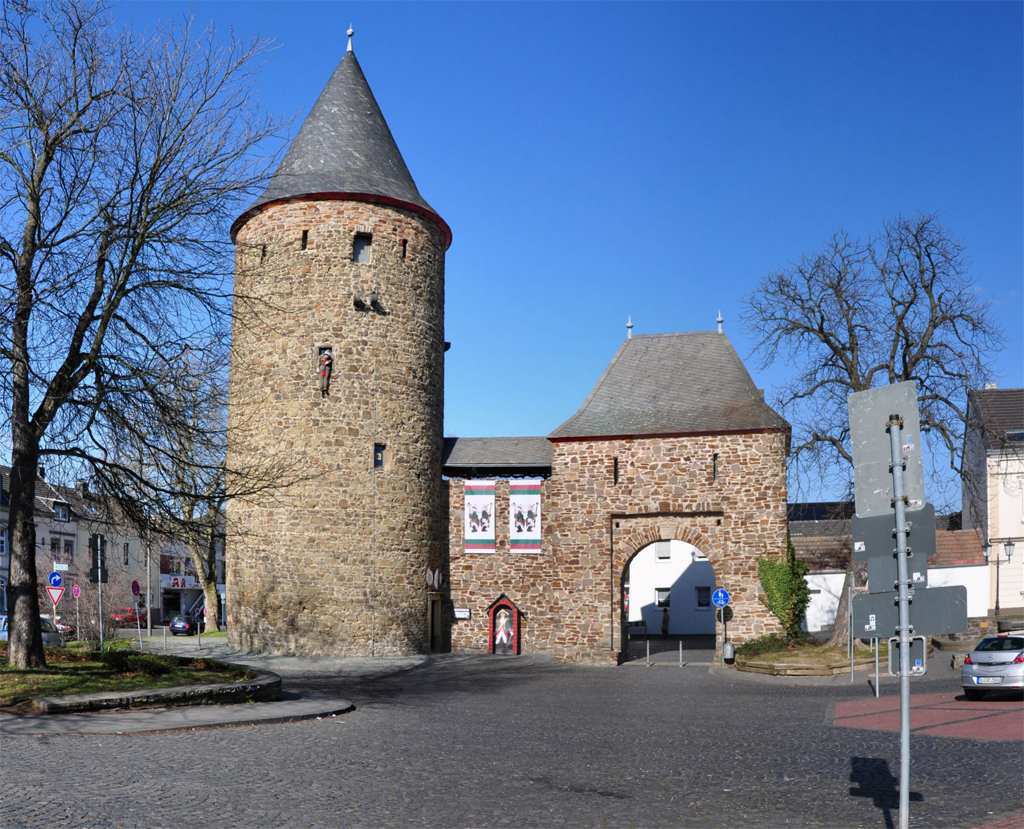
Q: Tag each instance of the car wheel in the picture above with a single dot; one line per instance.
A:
(974, 694)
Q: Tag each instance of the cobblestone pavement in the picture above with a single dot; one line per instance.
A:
(466, 741)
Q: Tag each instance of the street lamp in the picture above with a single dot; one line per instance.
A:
(1008, 547)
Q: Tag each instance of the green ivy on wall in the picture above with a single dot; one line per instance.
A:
(786, 593)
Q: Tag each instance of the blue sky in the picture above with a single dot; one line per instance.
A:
(602, 160)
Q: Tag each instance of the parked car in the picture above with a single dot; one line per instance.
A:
(185, 624)
(51, 636)
(995, 664)
(66, 630)
(127, 617)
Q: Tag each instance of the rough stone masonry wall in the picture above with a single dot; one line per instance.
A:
(332, 561)
(570, 595)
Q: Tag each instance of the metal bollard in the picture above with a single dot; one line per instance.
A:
(680, 653)
(648, 653)
(165, 638)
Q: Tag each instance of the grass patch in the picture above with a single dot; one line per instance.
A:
(777, 648)
(80, 671)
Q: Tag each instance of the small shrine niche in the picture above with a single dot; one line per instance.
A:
(503, 627)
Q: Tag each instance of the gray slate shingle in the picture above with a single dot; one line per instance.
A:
(1000, 411)
(496, 453)
(344, 146)
(686, 383)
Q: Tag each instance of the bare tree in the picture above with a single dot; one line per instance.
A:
(854, 316)
(124, 158)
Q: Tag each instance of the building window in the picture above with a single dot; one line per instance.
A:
(62, 512)
(69, 551)
(126, 553)
(305, 239)
(714, 467)
(662, 596)
(615, 470)
(405, 248)
(704, 597)
(663, 550)
(3, 541)
(378, 455)
(1015, 436)
(361, 248)
(54, 548)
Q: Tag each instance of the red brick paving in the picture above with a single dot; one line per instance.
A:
(938, 715)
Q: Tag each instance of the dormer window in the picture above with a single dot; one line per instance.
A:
(62, 512)
(1015, 436)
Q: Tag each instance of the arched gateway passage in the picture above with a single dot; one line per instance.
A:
(666, 602)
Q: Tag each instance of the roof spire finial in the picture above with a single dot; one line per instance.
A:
(350, 32)
(629, 328)
(720, 320)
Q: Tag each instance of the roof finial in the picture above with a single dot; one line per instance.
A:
(350, 32)
(629, 328)
(720, 320)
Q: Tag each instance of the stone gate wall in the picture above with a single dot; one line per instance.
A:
(667, 488)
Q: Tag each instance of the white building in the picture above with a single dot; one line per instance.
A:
(993, 491)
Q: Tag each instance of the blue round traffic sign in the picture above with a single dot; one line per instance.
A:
(56, 580)
(720, 598)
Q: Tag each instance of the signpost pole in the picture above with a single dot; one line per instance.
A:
(876, 667)
(903, 602)
(849, 604)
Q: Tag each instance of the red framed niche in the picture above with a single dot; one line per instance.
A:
(503, 627)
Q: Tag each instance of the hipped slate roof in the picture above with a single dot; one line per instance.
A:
(464, 457)
(665, 384)
(345, 149)
(1000, 411)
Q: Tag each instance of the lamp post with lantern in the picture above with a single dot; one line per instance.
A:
(1008, 547)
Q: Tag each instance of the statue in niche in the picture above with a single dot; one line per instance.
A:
(324, 370)
(503, 633)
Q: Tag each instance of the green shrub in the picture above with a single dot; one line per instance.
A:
(129, 662)
(772, 643)
(786, 592)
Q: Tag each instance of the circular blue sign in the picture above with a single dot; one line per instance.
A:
(56, 580)
(720, 598)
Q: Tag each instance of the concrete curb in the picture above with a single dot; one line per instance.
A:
(185, 718)
(264, 687)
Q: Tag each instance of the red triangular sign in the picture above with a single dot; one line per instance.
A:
(55, 594)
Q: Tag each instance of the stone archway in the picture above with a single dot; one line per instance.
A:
(710, 532)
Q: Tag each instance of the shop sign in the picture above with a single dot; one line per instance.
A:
(172, 582)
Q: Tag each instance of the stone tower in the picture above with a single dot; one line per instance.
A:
(337, 382)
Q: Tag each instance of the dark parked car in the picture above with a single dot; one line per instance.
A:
(51, 636)
(185, 624)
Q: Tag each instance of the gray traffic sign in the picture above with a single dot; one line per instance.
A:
(869, 441)
(933, 611)
(882, 573)
(918, 656)
(876, 536)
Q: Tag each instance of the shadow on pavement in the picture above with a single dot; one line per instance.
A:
(876, 781)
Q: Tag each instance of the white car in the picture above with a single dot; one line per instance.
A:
(996, 664)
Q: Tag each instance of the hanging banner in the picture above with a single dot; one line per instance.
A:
(479, 520)
(524, 515)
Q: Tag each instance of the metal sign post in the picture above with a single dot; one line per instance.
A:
(138, 622)
(720, 599)
(894, 426)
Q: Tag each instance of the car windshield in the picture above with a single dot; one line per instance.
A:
(1001, 643)
(47, 626)
(181, 620)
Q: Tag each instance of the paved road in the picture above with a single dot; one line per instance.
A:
(485, 741)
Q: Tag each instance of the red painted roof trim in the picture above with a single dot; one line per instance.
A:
(763, 431)
(335, 196)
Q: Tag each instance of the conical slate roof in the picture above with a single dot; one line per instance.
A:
(345, 150)
(672, 384)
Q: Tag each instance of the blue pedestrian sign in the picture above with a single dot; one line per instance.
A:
(56, 579)
(720, 598)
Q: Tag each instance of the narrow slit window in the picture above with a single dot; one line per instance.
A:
(714, 467)
(615, 470)
(361, 248)
(405, 248)
(305, 239)
(378, 455)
